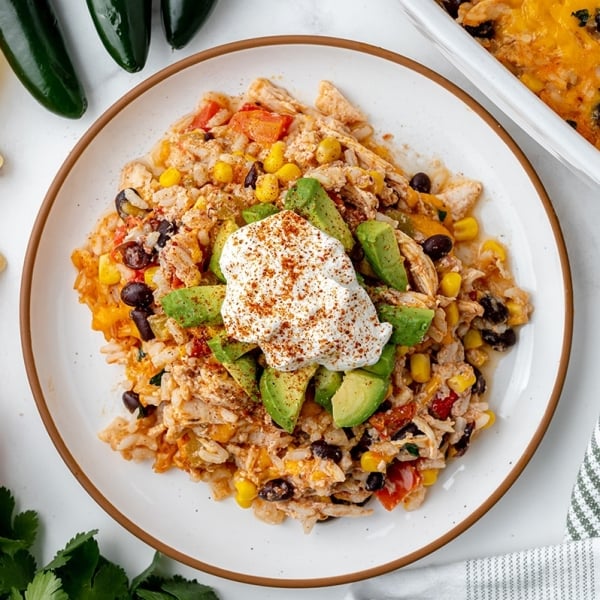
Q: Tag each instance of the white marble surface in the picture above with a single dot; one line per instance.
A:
(35, 143)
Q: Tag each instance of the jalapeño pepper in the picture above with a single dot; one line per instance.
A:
(182, 19)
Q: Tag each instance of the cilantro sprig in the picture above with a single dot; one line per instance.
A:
(78, 571)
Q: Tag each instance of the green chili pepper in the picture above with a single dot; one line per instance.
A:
(32, 41)
(124, 28)
(183, 18)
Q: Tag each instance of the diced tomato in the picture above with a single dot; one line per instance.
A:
(207, 111)
(120, 233)
(199, 348)
(260, 125)
(440, 407)
(401, 478)
(387, 423)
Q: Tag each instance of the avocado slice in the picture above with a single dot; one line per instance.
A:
(358, 397)
(283, 394)
(224, 231)
(386, 363)
(257, 212)
(226, 350)
(380, 246)
(410, 323)
(244, 370)
(308, 198)
(326, 384)
(193, 306)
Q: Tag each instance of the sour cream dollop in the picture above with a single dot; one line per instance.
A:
(292, 290)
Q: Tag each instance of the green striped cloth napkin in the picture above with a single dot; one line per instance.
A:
(566, 571)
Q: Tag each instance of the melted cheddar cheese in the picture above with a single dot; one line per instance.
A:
(554, 49)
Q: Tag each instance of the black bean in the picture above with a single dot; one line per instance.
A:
(361, 447)
(322, 449)
(494, 310)
(134, 256)
(125, 206)
(437, 246)
(499, 341)
(375, 481)
(462, 444)
(420, 182)
(131, 400)
(276, 490)
(140, 318)
(597, 20)
(384, 406)
(405, 430)
(484, 30)
(166, 230)
(480, 384)
(252, 175)
(138, 294)
(451, 7)
(208, 135)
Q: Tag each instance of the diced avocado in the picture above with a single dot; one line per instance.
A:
(358, 397)
(283, 394)
(227, 350)
(258, 212)
(380, 246)
(193, 306)
(386, 363)
(410, 323)
(225, 230)
(326, 384)
(308, 198)
(244, 370)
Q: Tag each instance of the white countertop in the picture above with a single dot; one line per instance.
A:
(34, 143)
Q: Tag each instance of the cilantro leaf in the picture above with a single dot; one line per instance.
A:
(18, 533)
(16, 571)
(63, 556)
(45, 586)
(146, 573)
(183, 589)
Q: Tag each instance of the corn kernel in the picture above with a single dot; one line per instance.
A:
(472, 339)
(450, 284)
(164, 151)
(496, 248)
(452, 314)
(517, 315)
(108, 273)
(477, 357)
(201, 203)
(378, 181)
(264, 460)
(373, 462)
(275, 158)
(222, 432)
(429, 476)
(267, 188)
(491, 420)
(535, 84)
(462, 382)
(317, 476)
(288, 172)
(466, 229)
(292, 467)
(222, 172)
(420, 367)
(328, 150)
(149, 274)
(246, 492)
(169, 177)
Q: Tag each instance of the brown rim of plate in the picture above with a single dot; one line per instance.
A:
(30, 259)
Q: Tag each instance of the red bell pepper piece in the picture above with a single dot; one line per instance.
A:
(440, 407)
(400, 479)
(387, 423)
(260, 125)
(207, 111)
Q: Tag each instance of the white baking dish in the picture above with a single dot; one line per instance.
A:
(505, 90)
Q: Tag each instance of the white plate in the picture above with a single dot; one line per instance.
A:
(77, 393)
(504, 89)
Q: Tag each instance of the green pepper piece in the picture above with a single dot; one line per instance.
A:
(124, 28)
(32, 42)
(182, 19)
